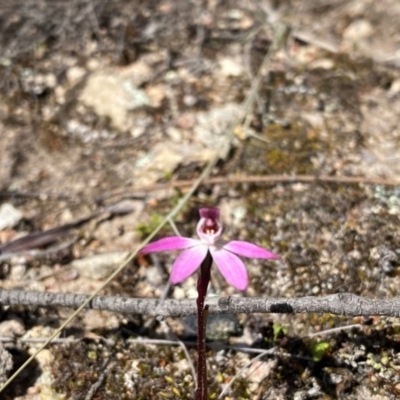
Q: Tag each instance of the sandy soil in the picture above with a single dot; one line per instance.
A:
(103, 101)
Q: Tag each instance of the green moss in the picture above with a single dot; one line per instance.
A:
(92, 355)
(289, 150)
(319, 350)
(279, 331)
(145, 229)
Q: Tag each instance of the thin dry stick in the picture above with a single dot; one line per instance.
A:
(200, 30)
(265, 12)
(44, 196)
(177, 342)
(256, 179)
(35, 254)
(334, 330)
(107, 367)
(219, 346)
(299, 178)
(338, 304)
(6, 339)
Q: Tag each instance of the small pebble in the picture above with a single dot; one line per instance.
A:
(315, 290)
(219, 327)
(12, 327)
(9, 216)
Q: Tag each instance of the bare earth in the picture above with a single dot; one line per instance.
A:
(103, 101)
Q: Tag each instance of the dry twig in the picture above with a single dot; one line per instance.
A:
(340, 304)
(255, 179)
(107, 367)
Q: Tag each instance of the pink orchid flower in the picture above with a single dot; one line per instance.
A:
(209, 230)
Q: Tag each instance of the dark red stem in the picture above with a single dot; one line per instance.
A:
(202, 285)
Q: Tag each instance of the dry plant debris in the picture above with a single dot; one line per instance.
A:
(99, 99)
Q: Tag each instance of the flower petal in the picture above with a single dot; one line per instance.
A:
(209, 213)
(169, 243)
(187, 262)
(231, 267)
(250, 250)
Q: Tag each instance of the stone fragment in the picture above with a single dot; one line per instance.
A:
(164, 158)
(211, 127)
(260, 370)
(75, 74)
(219, 327)
(9, 216)
(114, 93)
(99, 266)
(358, 30)
(12, 327)
(231, 66)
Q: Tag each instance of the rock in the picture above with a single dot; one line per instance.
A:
(114, 93)
(12, 327)
(211, 127)
(8, 142)
(153, 276)
(358, 30)
(98, 319)
(9, 216)
(99, 266)
(259, 370)
(394, 88)
(164, 158)
(156, 94)
(231, 66)
(322, 63)
(45, 382)
(357, 39)
(75, 74)
(219, 327)
(33, 82)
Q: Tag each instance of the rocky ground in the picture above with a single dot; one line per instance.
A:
(110, 109)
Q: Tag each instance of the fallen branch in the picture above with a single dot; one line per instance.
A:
(142, 191)
(52, 235)
(340, 304)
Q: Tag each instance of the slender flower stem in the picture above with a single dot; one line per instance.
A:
(202, 285)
